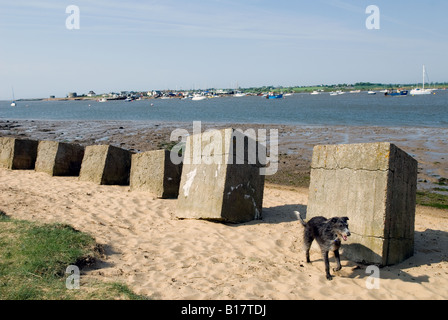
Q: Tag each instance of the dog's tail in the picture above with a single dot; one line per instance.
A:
(299, 217)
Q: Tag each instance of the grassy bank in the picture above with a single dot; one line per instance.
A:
(34, 258)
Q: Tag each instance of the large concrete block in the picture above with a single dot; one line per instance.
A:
(106, 165)
(18, 154)
(59, 159)
(153, 171)
(221, 178)
(375, 186)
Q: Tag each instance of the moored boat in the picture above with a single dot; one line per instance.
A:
(421, 91)
(198, 97)
(13, 103)
(396, 93)
(274, 96)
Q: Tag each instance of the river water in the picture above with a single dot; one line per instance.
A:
(349, 109)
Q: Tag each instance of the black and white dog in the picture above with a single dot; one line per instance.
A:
(328, 234)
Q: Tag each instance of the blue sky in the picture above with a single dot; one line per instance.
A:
(141, 45)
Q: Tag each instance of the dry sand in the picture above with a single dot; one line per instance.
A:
(165, 258)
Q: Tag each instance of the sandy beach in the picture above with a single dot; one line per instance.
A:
(165, 258)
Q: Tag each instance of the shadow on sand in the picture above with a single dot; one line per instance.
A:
(431, 247)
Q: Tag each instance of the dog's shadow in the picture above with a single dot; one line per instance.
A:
(281, 214)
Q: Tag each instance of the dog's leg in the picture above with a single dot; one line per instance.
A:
(308, 255)
(308, 240)
(327, 265)
(338, 260)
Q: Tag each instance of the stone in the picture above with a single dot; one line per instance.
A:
(59, 159)
(221, 178)
(373, 184)
(154, 172)
(106, 165)
(18, 154)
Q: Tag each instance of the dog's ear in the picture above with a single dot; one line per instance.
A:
(345, 219)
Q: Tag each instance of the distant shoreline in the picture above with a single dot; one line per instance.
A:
(363, 86)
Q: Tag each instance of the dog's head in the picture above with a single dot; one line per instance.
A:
(340, 226)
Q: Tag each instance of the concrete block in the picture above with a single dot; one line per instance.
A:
(221, 178)
(59, 159)
(106, 165)
(18, 154)
(373, 184)
(154, 172)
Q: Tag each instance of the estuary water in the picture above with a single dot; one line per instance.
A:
(350, 109)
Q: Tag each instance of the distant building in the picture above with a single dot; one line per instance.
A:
(91, 94)
(156, 93)
(52, 97)
(72, 95)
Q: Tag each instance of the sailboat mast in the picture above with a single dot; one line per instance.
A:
(423, 77)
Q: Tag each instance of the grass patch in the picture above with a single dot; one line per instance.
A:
(172, 146)
(34, 258)
(431, 199)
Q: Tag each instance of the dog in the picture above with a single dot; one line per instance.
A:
(328, 234)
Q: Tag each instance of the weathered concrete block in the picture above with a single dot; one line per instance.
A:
(375, 186)
(59, 159)
(221, 178)
(153, 171)
(18, 154)
(106, 165)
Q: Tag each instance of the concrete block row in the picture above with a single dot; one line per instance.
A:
(223, 185)
(373, 184)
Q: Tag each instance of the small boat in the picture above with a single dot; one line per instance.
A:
(315, 93)
(421, 91)
(198, 97)
(396, 93)
(274, 96)
(333, 93)
(129, 99)
(239, 95)
(355, 91)
(102, 100)
(13, 103)
(371, 92)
